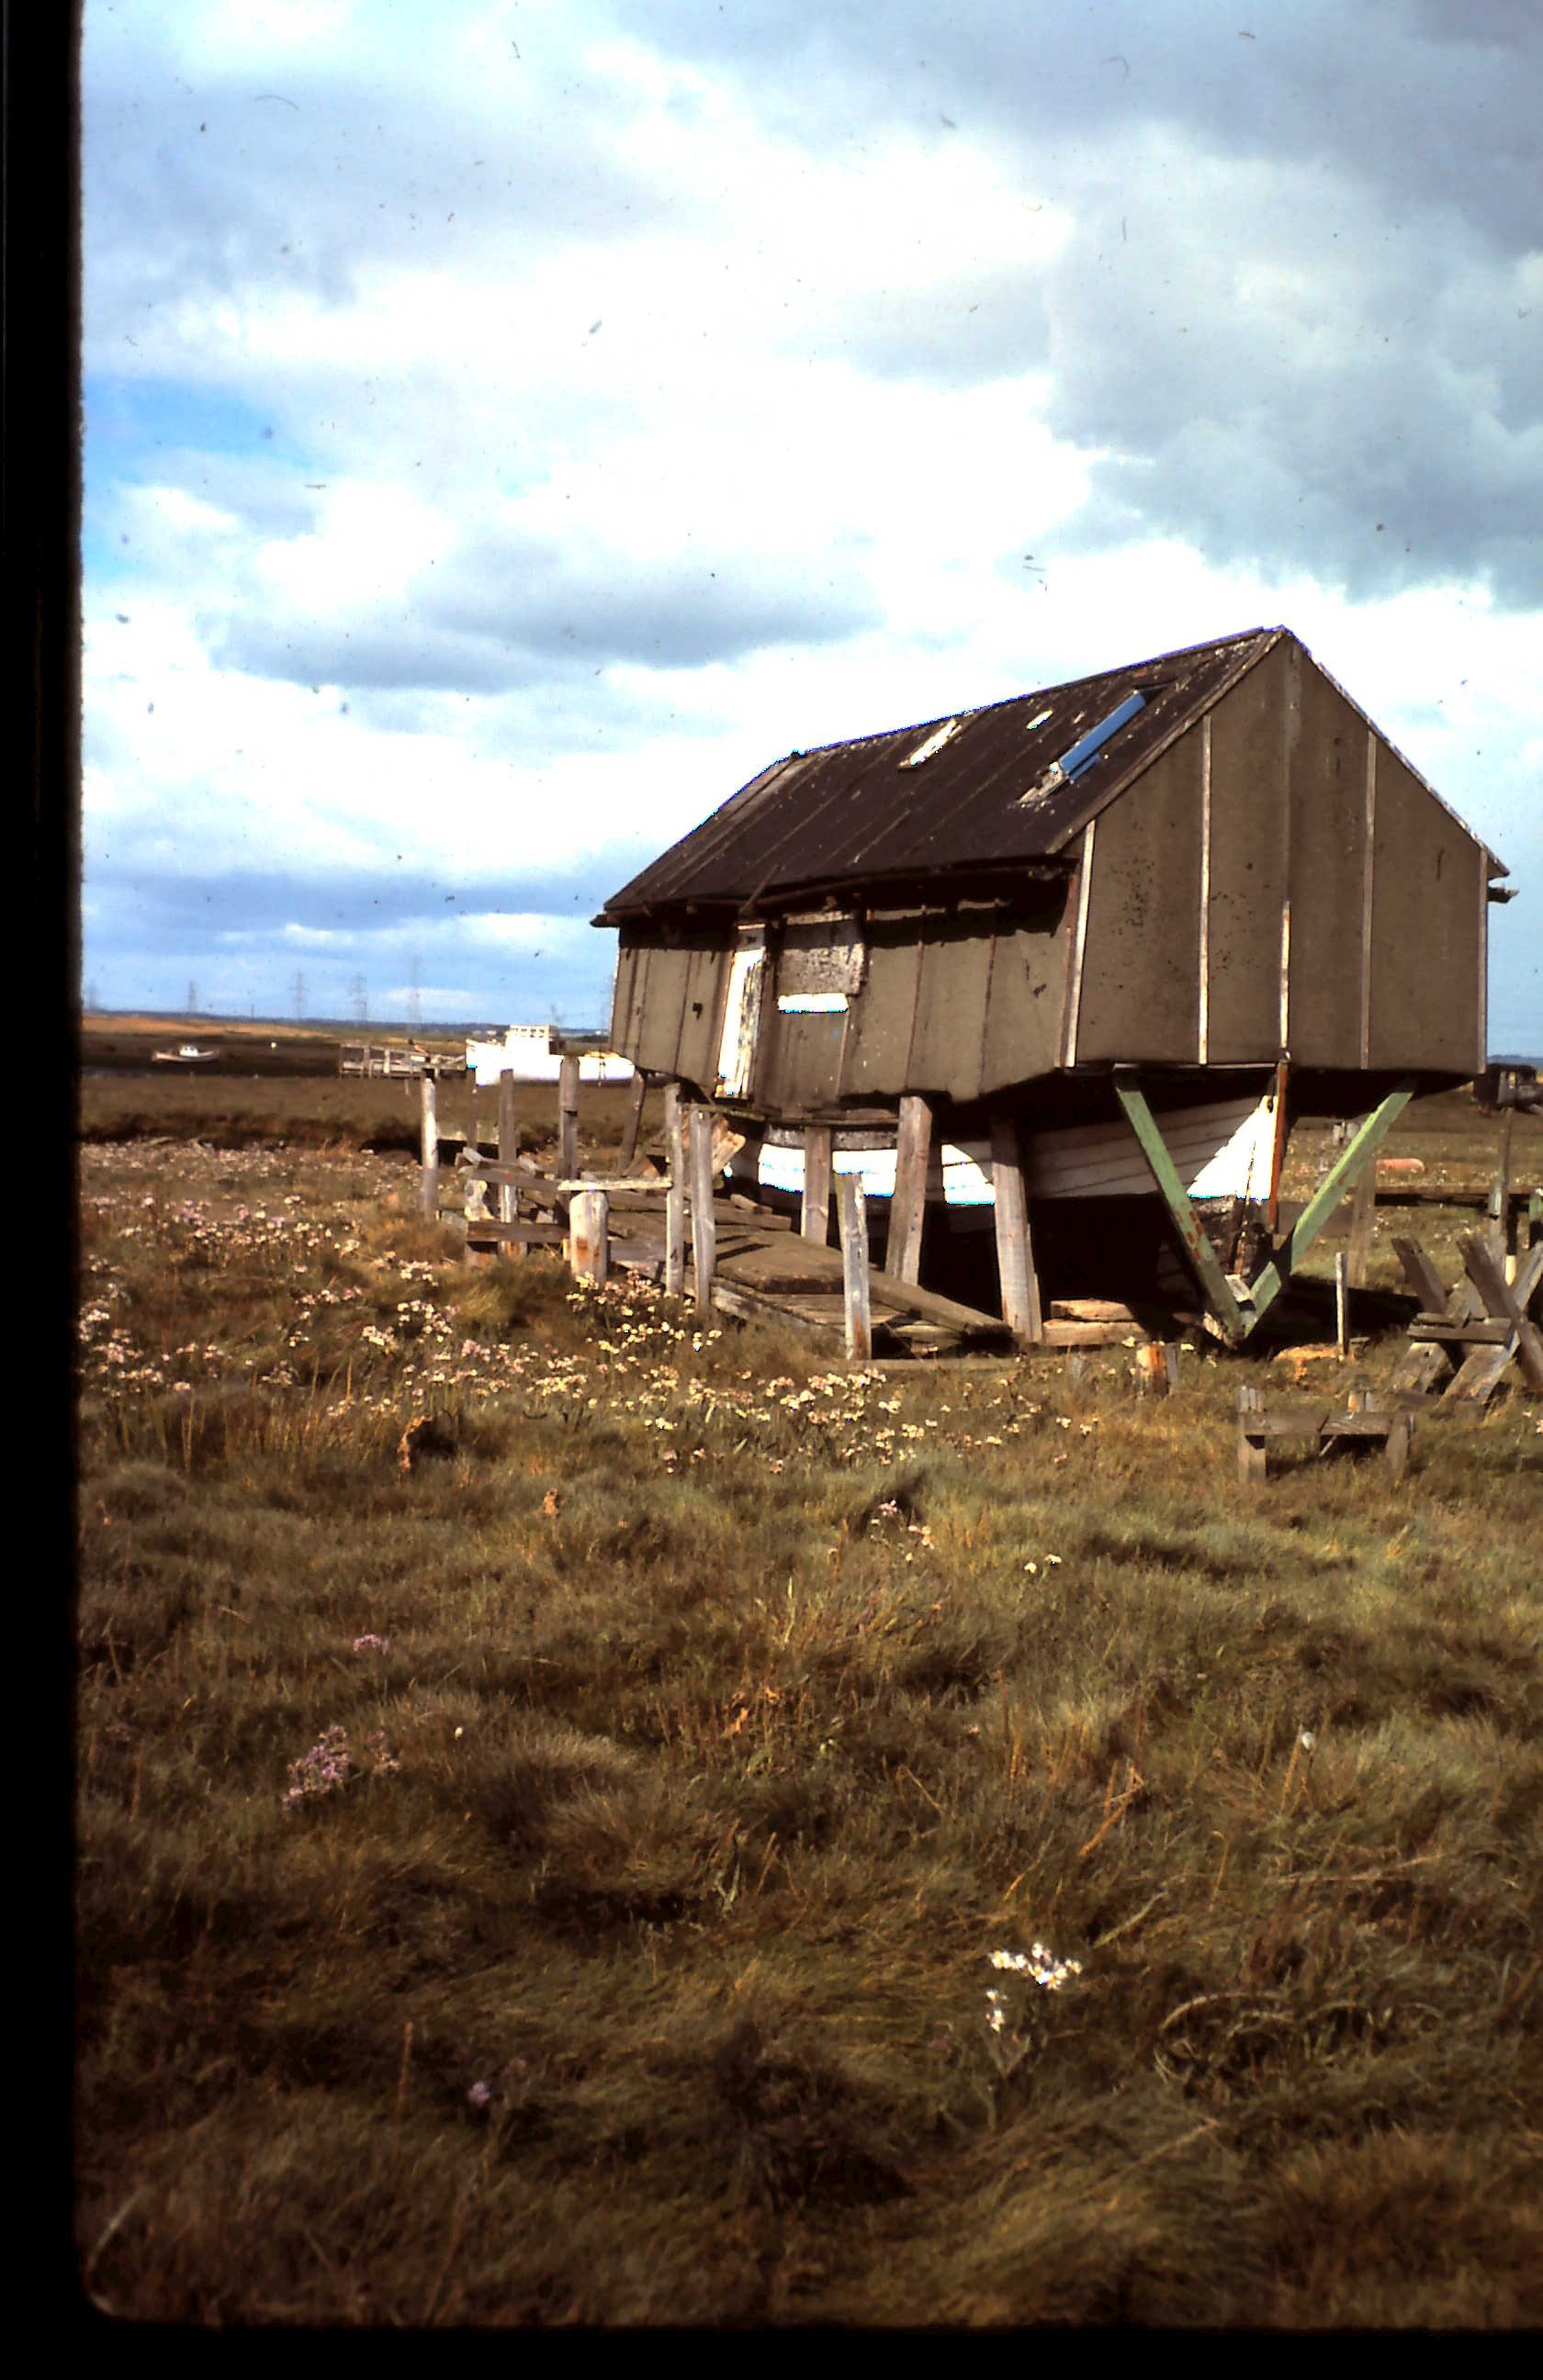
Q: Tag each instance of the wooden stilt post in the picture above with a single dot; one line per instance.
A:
(1021, 1308)
(814, 1219)
(913, 1147)
(634, 1119)
(471, 1139)
(431, 1143)
(589, 1237)
(1500, 1196)
(674, 1195)
(852, 1212)
(704, 1229)
(509, 1149)
(1341, 1301)
(567, 1118)
(1363, 1208)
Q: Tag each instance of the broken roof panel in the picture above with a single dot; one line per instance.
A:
(975, 790)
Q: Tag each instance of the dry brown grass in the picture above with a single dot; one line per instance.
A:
(695, 1720)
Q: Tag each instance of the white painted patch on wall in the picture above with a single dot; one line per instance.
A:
(737, 1048)
(811, 1003)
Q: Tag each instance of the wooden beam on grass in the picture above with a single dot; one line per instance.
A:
(1021, 1306)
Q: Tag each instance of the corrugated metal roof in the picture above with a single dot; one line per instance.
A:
(918, 802)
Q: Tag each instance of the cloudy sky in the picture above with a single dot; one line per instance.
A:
(510, 426)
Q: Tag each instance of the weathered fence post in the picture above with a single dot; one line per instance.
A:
(674, 1195)
(852, 1215)
(1341, 1301)
(509, 1149)
(913, 1147)
(567, 1119)
(814, 1214)
(1021, 1308)
(431, 1143)
(589, 1237)
(634, 1119)
(704, 1231)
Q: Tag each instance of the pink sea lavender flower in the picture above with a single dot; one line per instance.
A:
(479, 2094)
(372, 1643)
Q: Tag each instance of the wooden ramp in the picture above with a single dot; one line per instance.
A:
(759, 1266)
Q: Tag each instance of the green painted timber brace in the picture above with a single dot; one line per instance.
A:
(1361, 1151)
(1237, 1317)
(1235, 1324)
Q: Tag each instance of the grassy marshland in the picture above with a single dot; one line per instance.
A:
(690, 1724)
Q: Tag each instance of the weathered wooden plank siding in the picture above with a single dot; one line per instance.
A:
(878, 1026)
(1248, 878)
(661, 992)
(1140, 983)
(1025, 1005)
(800, 1061)
(701, 1020)
(1328, 796)
(1424, 928)
(945, 1045)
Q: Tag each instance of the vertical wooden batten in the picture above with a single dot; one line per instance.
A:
(1079, 946)
(1291, 736)
(1203, 1029)
(1482, 1053)
(1368, 880)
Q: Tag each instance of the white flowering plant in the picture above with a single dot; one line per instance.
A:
(1014, 2005)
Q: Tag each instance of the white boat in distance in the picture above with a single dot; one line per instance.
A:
(187, 1054)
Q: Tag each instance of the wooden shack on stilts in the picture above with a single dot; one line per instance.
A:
(1066, 969)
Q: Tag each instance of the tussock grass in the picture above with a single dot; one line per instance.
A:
(550, 1779)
